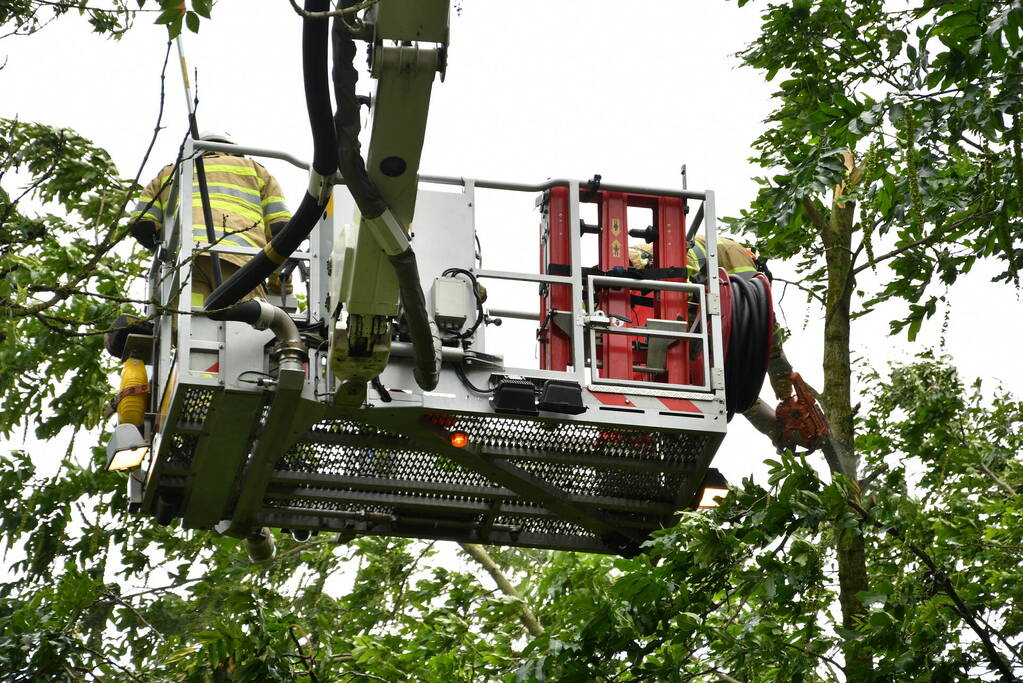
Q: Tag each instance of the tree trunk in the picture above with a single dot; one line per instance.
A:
(837, 404)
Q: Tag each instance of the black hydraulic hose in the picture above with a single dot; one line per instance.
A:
(347, 122)
(423, 331)
(262, 316)
(259, 267)
(245, 312)
(749, 343)
(347, 125)
(317, 96)
(317, 89)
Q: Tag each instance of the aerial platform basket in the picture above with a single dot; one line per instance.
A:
(601, 445)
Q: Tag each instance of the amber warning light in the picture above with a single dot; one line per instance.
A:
(459, 439)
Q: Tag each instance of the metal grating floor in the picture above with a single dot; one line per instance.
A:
(393, 476)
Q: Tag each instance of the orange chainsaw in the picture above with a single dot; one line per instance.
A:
(800, 421)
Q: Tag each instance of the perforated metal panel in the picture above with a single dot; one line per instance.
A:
(197, 403)
(349, 474)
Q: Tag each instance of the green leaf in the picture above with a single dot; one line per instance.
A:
(203, 7)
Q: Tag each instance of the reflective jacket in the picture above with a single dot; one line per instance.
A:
(245, 200)
(732, 256)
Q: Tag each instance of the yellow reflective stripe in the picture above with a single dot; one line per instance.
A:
(215, 185)
(152, 212)
(231, 200)
(155, 208)
(272, 254)
(145, 199)
(246, 171)
(701, 253)
(239, 239)
(231, 168)
(741, 269)
(695, 259)
(198, 300)
(230, 205)
(272, 217)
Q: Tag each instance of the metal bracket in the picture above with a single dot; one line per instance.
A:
(320, 186)
(389, 233)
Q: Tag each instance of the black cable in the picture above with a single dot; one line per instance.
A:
(381, 390)
(749, 343)
(476, 294)
(460, 371)
(254, 372)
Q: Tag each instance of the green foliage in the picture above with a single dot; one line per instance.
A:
(951, 482)
(62, 279)
(747, 590)
(112, 18)
(927, 98)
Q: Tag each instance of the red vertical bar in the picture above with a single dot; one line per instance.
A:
(670, 252)
(555, 344)
(616, 354)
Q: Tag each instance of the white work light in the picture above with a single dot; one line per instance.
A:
(715, 486)
(126, 448)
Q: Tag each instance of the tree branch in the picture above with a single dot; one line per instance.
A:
(815, 216)
(110, 239)
(994, 657)
(119, 600)
(479, 553)
(920, 242)
(306, 655)
(998, 480)
(800, 285)
(332, 13)
(109, 661)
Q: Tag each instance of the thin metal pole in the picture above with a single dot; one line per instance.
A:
(200, 168)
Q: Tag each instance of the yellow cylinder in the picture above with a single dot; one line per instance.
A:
(131, 407)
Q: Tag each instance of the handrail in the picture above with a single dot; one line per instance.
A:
(461, 180)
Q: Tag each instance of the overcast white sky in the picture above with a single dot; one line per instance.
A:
(534, 89)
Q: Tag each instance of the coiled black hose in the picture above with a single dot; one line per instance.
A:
(317, 97)
(749, 343)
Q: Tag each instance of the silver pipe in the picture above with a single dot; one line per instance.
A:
(524, 277)
(449, 354)
(291, 352)
(211, 146)
(508, 313)
(460, 180)
(562, 182)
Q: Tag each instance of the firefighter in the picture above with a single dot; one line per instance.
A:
(732, 256)
(248, 210)
(738, 260)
